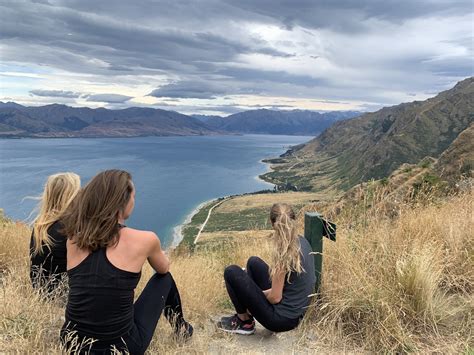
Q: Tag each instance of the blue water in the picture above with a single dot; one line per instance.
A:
(172, 175)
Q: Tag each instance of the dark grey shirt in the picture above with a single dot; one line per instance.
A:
(296, 291)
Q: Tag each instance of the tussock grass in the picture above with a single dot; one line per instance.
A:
(402, 285)
(393, 285)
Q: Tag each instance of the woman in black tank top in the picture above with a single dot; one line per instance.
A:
(100, 313)
(47, 243)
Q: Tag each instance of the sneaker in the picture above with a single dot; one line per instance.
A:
(235, 325)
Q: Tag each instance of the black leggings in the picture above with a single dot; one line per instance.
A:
(159, 295)
(245, 292)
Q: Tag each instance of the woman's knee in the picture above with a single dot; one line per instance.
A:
(253, 261)
(162, 278)
(231, 272)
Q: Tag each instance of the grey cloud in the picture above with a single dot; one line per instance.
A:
(454, 66)
(196, 45)
(275, 76)
(199, 89)
(347, 15)
(109, 98)
(195, 90)
(55, 93)
(344, 15)
(132, 44)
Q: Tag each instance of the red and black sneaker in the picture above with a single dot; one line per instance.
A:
(235, 325)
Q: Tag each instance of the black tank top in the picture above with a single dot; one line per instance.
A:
(47, 267)
(100, 303)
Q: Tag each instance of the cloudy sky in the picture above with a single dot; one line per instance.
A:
(224, 56)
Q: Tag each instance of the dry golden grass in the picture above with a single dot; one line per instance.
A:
(389, 285)
(402, 285)
(12, 239)
(238, 203)
(215, 236)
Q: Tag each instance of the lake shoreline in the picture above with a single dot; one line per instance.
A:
(178, 236)
(213, 169)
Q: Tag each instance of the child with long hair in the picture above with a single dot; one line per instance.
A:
(277, 295)
(48, 244)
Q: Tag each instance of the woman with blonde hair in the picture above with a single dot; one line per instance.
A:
(276, 295)
(48, 244)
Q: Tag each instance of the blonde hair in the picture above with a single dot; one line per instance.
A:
(286, 255)
(59, 191)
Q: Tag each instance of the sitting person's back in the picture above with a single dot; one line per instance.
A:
(298, 286)
(277, 295)
(48, 266)
(48, 243)
(104, 262)
(101, 295)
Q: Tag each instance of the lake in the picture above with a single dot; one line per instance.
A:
(172, 175)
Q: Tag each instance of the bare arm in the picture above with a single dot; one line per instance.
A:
(157, 257)
(275, 294)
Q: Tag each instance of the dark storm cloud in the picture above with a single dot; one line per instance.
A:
(116, 43)
(347, 15)
(198, 46)
(344, 15)
(55, 93)
(109, 98)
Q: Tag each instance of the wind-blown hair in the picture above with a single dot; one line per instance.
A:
(59, 191)
(92, 220)
(286, 254)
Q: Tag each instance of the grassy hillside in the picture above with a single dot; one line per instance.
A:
(237, 215)
(458, 159)
(375, 144)
(400, 283)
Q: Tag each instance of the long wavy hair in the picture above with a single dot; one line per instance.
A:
(59, 191)
(286, 254)
(92, 220)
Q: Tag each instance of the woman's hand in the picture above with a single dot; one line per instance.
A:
(274, 295)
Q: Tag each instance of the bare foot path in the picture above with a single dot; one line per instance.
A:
(207, 219)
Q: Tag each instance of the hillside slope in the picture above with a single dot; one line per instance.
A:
(64, 121)
(458, 159)
(375, 144)
(263, 121)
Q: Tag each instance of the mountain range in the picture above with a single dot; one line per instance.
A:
(263, 121)
(64, 121)
(374, 145)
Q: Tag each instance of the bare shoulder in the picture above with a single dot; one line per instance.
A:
(145, 239)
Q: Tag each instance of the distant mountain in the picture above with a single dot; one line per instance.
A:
(295, 122)
(64, 121)
(373, 145)
(10, 104)
(206, 118)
